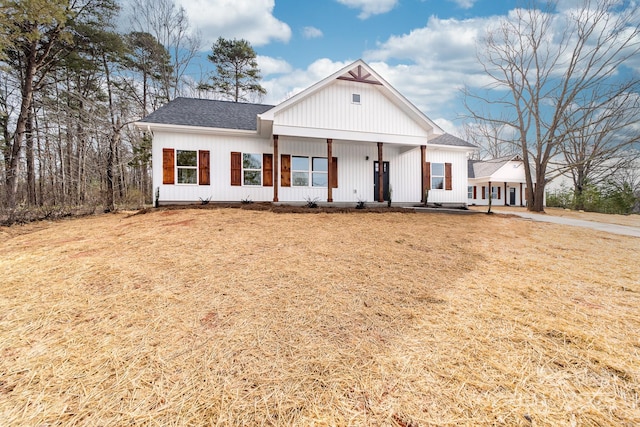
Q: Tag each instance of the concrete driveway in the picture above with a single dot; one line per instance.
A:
(600, 226)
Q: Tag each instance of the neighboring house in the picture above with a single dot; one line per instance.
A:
(503, 179)
(325, 143)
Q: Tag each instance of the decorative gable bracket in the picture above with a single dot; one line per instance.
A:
(357, 75)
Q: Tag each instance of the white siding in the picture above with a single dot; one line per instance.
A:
(220, 148)
(355, 170)
(513, 171)
(458, 160)
(332, 108)
(479, 201)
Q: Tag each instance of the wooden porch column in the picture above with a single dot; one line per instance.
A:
(276, 168)
(505, 194)
(329, 170)
(380, 174)
(521, 204)
(423, 168)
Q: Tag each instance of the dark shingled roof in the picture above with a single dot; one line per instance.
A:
(485, 168)
(208, 113)
(448, 139)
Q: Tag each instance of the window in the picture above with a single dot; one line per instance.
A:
(355, 98)
(300, 171)
(320, 174)
(495, 192)
(437, 176)
(187, 165)
(252, 169)
(470, 192)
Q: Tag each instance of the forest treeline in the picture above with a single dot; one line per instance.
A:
(71, 85)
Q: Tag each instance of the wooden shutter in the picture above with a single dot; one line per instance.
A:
(428, 175)
(499, 188)
(236, 168)
(168, 166)
(447, 177)
(285, 170)
(204, 172)
(484, 193)
(267, 170)
(475, 192)
(334, 172)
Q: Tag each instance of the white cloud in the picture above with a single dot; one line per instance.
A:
(464, 4)
(370, 7)
(269, 66)
(251, 20)
(436, 62)
(311, 33)
(284, 87)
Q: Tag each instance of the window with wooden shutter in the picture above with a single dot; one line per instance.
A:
(204, 172)
(334, 172)
(447, 177)
(168, 165)
(428, 175)
(267, 170)
(236, 168)
(285, 170)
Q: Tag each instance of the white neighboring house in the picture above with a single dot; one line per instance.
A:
(325, 143)
(503, 178)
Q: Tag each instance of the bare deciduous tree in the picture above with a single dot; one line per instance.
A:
(548, 64)
(169, 25)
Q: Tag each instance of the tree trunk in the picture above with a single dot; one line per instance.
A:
(31, 171)
(21, 123)
(109, 201)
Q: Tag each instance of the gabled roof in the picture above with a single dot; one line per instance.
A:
(208, 113)
(451, 141)
(359, 71)
(486, 168)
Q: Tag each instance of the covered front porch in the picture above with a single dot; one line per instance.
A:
(501, 193)
(359, 171)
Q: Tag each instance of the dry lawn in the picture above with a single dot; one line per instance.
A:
(234, 317)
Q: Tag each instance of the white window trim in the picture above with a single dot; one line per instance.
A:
(261, 170)
(470, 192)
(319, 172)
(444, 176)
(494, 194)
(196, 167)
(359, 101)
(307, 171)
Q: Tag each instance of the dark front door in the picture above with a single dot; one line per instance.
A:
(385, 180)
(512, 196)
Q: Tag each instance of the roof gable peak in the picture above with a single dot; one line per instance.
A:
(359, 74)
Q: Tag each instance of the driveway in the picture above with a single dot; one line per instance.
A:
(600, 226)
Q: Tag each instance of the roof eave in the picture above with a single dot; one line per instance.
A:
(149, 127)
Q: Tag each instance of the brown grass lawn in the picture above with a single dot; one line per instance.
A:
(236, 317)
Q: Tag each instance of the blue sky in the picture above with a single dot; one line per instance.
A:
(425, 48)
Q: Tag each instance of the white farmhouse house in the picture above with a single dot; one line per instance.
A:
(503, 179)
(325, 143)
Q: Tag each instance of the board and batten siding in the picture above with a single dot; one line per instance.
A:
(458, 160)
(220, 148)
(355, 170)
(332, 108)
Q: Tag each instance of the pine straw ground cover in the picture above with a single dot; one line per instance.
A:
(234, 317)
